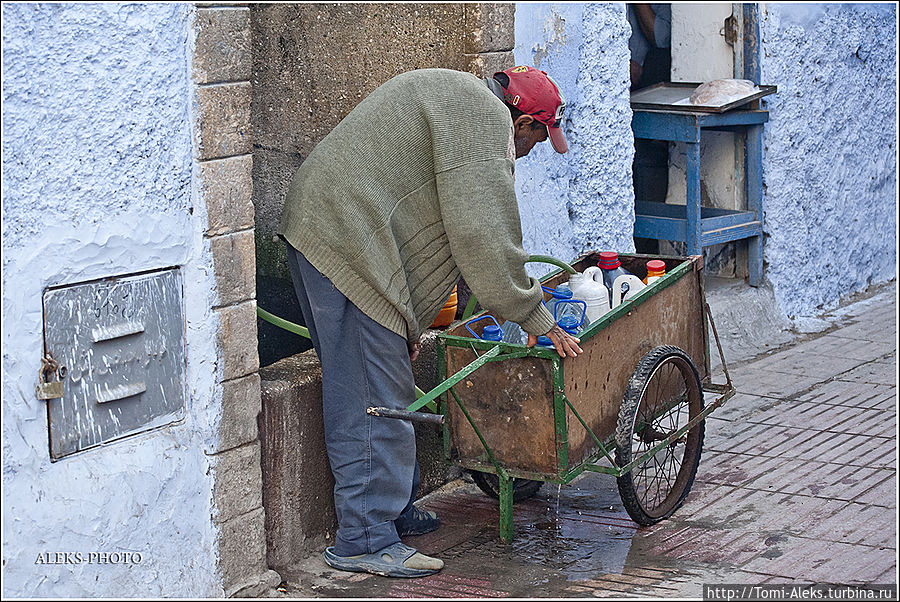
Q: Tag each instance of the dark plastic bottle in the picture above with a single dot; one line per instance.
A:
(612, 269)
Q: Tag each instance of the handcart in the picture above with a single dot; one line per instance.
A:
(631, 405)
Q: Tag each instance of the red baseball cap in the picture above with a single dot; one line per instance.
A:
(532, 91)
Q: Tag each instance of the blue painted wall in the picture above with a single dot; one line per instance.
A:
(829, 164)
(583, 200)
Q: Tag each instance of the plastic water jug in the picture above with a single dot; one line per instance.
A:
(491, 332)
(513, 333)
(625, 287)
(588, 286)
(560, 293)
(570, 315)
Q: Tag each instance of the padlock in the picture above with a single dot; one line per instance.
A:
(53, 389)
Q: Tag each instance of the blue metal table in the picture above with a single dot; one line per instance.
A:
(704, 226)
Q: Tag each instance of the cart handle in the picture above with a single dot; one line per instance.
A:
(406, 415)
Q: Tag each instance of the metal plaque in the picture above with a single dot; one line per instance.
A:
(120, 347)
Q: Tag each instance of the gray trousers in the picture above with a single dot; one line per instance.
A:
(364, 364)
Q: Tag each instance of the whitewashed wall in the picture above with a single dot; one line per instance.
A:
(583, 200)
(97, 182)
(829, 163)
(829, 160)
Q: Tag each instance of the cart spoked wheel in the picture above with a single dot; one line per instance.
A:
(663, 394)
(490, 484)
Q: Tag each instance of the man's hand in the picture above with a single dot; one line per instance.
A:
(566, 344)
(414, 347)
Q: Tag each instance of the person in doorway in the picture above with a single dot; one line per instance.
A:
(651, 31)
(413, 189)
(651, 61)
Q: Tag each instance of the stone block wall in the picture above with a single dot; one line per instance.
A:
(490, 37)
(297, 481)
(221, 68)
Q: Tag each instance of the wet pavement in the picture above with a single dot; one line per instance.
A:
(797, 483)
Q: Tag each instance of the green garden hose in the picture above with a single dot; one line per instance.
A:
(304, 332)
(282, 323)
(470, 306)
(467, 313)
(553, 261)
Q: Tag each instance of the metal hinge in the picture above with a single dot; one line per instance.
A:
(730, 30)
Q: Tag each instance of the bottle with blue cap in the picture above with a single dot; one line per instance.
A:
(570, 314)
(544, 341)
(560, 293)
(513, 333)
(491, 332)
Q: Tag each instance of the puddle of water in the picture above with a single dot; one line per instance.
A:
(580, 534)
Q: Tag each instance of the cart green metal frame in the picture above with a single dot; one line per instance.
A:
(631, 405)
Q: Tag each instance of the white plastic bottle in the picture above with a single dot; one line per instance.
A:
(625, 287)
(588, 287)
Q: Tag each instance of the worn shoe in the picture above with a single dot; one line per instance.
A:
(417, 522)
(396, 560)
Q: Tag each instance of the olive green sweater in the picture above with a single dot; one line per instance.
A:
(413, 188)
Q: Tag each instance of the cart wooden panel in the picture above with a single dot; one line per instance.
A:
(595, 381)
(513, 403)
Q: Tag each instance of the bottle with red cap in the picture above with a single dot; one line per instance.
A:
(611, 267)
(656, 269)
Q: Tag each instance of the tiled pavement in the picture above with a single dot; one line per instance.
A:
(797, 484)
